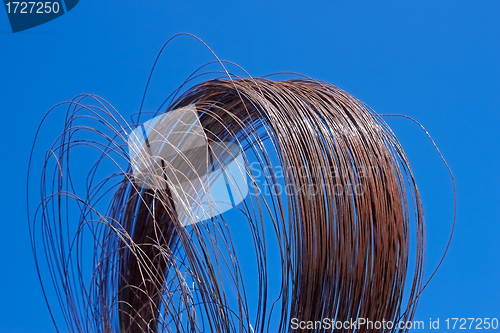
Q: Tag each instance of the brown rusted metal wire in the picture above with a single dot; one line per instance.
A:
(342, 230)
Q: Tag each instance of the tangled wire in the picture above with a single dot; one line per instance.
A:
(323, 220)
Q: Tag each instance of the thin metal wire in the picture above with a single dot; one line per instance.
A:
(341, 229)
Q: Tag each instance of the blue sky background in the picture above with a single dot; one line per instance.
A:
(435, 61)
